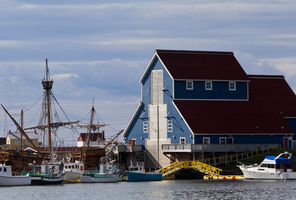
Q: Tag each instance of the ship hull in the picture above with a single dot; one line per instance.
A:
(14, 180)
(39, 180)
(100, 179)
(138, 176)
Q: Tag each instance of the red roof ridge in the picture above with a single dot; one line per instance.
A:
(194, 52)
(259, 76)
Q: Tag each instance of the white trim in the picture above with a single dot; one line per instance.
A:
(250, 134)
(266, 77)
(164, 66)
(182, 138)
(234, 85)
(147, 68)
(145, 126)
(132, 118)
(188, 88)
(218, 80)
(141, 92)
(211, 85)
(210, 99)
(203, 140)
(222, 138)
(184, 120)
(172, 125)
(232, 140)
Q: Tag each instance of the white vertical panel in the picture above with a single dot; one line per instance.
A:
(157, 87)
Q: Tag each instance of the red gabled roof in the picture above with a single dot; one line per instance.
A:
(270, 100)
(202, 65)
(92, 136)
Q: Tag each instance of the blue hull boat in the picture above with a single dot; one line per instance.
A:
(139, 176)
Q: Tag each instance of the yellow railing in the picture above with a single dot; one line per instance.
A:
(201, 167)
(226, 159)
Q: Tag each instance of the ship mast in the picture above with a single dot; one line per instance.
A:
(90, 123)
(47, 86)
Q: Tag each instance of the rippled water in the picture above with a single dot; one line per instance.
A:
(180, 189)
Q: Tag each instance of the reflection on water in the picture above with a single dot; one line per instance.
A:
(181, 189)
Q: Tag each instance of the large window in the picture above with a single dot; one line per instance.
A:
(208, 85)
(232, 85)
(206, 140)
(145, 126)
(189, 85)
(170, 125)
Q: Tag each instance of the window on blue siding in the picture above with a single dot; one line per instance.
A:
(145, 126)
(170, 125)
(230, 140)
(222, 140)
(232, 85)
(208, 85)
(182, 140)
(206, 140)
(189, 85)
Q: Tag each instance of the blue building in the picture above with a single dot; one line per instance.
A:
(194, 102)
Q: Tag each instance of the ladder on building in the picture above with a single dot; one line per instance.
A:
(199, 166)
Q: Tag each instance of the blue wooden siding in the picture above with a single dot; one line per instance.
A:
(243, 139)
(135, 130)
(220, 90)
(292, 124)
(180, 128)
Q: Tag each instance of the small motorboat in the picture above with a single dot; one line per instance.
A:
(108, 173)
(7, 179)
(73, 170)
(137, 173)
(272, 168)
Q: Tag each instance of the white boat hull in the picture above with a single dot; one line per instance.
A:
(254, 173)
(14, 180)
(90, 179)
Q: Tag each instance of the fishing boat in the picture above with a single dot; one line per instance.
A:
(108, 173)
(47, 173)
(7, 179)
(272, 168)
(137, 173)
(73, 171)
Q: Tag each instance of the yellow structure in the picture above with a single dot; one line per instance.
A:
(199, 166)
(13, 140)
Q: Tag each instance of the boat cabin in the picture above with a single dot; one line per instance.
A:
(281, 163)
(5, 170)
(76, 166)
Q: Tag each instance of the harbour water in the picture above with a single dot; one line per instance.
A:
(179, 189)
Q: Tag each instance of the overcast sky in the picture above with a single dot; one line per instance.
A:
(99, 49)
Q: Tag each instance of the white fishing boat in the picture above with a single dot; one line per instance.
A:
(47, 173)
(73, 170)
(272, 168)
(7, 179)
(108, 173)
